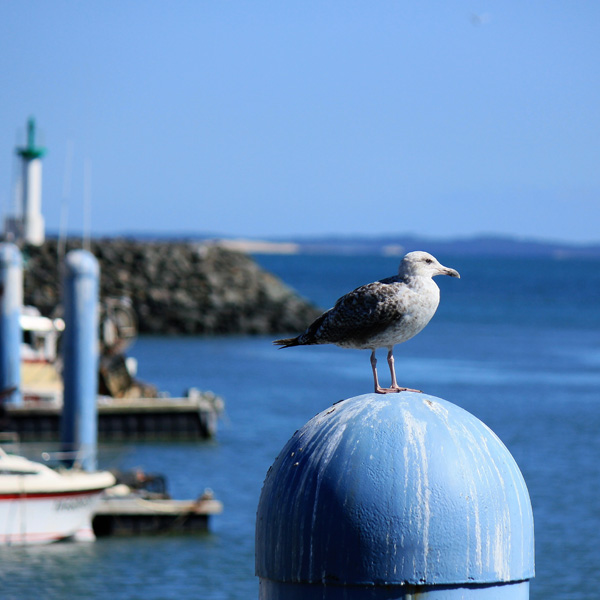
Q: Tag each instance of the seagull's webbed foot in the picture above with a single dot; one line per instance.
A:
(395, 390)
(403, 389)
(380, 390)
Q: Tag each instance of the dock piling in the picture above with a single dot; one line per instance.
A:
(11, 301)
(79, 422)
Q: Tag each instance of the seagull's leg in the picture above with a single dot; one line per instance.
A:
(390, 359)
(395, 387)
(378, 388)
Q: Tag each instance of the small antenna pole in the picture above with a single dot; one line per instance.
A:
(64, 208)
(87, 203)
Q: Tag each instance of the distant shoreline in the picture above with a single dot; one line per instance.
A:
(490, 246)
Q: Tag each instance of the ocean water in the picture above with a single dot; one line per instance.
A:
(515, 342)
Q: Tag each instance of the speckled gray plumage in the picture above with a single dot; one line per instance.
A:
(380, 314)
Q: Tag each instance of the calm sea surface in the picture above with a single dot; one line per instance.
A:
(515, 342)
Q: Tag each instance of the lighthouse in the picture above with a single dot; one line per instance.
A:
(28, 225)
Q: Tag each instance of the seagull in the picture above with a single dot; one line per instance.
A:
(381, 314)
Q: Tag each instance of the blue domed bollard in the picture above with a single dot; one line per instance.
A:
(401, 496)
(79, 423)
(11, 301)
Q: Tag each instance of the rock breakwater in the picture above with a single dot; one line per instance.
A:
(177, 287)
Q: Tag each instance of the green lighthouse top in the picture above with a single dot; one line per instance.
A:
(30, 151)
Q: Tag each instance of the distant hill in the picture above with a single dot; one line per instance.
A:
(475, 246)
(484, 245)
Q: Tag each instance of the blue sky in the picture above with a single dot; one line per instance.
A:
(273, 119)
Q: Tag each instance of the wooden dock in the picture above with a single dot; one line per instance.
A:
(189, 418)
(131, 515)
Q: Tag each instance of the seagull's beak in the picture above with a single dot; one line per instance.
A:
(451, 272)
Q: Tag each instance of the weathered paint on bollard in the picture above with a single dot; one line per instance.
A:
(79, 424)
(394, 497)
(11, 302)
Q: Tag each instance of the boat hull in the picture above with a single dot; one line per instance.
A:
(45, 517)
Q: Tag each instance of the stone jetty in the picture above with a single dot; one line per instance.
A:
(177, 287)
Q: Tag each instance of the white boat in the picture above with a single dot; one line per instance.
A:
(39, 505)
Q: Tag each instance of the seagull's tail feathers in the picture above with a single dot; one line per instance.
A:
(310, 337)
(288, 342)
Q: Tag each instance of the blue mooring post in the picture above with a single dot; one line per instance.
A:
(401, 496)
(11, 301)
(79, 424)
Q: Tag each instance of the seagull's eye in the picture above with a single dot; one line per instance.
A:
(428, 261)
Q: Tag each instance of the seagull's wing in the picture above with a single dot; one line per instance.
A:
(360, 314)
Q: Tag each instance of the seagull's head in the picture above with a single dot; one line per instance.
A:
(422, 264)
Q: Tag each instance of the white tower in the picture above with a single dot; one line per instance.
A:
(28, 226)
